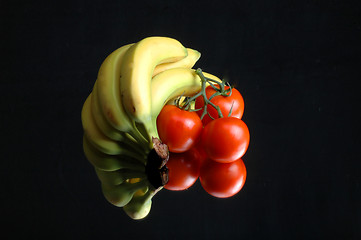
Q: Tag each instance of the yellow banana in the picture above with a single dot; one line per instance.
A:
(110, 101)
(108, 130)
(136, 73)
(100, 120)
(187, 62)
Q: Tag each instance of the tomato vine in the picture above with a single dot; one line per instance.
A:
(219, 91)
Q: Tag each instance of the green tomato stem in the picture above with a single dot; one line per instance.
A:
(203, 93)
(220, 90)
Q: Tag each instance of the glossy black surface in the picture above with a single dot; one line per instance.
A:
(296, 63)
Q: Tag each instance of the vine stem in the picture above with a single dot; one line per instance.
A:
(220, 90)
(202, 93)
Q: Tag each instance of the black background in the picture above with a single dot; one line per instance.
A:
(296, 63)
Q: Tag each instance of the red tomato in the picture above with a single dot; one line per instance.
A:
(179, 129)
(225, 139)
(224, 103)
(223, 180)
(183, 170)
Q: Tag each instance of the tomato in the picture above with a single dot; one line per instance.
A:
(235, 101)
(223, 180)
(225, 139)
(179, 129)
(183, 170)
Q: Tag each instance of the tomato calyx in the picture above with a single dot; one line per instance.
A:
(156, 169)
(222, 88)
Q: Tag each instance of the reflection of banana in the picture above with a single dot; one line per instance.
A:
(136, 73)
(119, 176)
(120, 195)
(139, 207)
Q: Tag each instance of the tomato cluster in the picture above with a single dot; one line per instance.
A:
(210, 149)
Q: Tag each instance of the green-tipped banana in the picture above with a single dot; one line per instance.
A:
(98, 139)
(139, 207)
(187, 62)
(101, 121)
(109, 130)
(111, 162)
(136, 73)
(120, 195)
(93, 134)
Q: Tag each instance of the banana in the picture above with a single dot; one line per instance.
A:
(99, 118)
(187, 62)
(122, 194)
(110, 102)
(109, 130)
(136, 73)
(107, 162)
(98, 139)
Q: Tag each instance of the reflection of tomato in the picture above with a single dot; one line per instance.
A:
(177, 128)
(225, 139)
(183, 170)
(235, 101)
(223, 180)
(201, 152)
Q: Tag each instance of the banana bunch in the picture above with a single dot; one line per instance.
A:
(119, 116)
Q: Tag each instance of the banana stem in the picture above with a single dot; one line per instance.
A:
(156, 168)
(140, 139)
(149, 131)
(139, 155)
